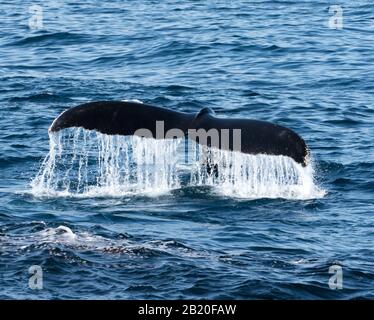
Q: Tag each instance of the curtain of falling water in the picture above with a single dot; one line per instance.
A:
(253, 176)
(87, 163)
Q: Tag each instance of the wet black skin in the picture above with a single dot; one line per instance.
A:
(125, 118)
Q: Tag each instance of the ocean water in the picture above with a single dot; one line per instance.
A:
(105, 222)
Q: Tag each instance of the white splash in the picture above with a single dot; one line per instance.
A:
(132, 100)
(62, 237)
(239, 175)
(84, 163)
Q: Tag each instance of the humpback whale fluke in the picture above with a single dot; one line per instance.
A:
(126, 118)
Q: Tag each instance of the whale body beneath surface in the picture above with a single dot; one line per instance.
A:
(132, 118)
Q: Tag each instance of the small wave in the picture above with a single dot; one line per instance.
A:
(109, 60)
(62, 235)
(38, 236)
(338, 82)
(274, 47)
(344, 122)
(16, 160)
(250, 93)
(178, 88)
(52, 38)
(41, 97)
(262, 48)
(173, 48)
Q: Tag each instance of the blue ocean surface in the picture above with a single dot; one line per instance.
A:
(174, 236)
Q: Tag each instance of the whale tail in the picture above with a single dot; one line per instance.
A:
(132, 118)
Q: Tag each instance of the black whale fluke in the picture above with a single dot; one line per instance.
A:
(125, 118)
